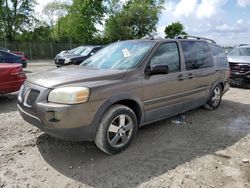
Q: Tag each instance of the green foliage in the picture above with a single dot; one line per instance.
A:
(174, 29)
(16, 16)
(53, 12)
(83, 18)
(136, 19)
(41, 33)
(79, 21)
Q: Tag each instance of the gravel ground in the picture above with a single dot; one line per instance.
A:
(209, 149)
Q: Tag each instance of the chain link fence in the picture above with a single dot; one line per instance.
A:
(38, 50)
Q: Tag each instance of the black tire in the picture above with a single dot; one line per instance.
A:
(109, 132)
(215, 98)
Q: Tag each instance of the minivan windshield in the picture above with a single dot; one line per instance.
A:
(122, 55)
(240, 52)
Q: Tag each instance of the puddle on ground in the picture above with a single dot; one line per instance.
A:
(239, 124)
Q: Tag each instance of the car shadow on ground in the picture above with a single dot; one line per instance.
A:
(158, 148)
(8, 103)
(28, 71)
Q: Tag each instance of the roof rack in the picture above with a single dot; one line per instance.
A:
(244, 45)
(198, 38)
(148, 37)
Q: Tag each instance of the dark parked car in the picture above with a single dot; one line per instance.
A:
(124, 86)
(8, 57)
(77, 56)
(11, 77)
(21, 54)
(239, 60)
(76, 51)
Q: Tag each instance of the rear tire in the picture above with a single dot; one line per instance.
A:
(215, 98)
(116, 130)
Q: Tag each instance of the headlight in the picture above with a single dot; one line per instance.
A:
(69, 95)
(67, 61)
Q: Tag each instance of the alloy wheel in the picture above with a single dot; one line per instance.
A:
(120, 131)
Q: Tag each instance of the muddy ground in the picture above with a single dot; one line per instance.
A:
(209, 149)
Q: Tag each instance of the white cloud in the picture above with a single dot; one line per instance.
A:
(240, 21)
(185, 8)
(243, 3)
(209, 8)
(207, 18)
(231, 28)
(199, 9)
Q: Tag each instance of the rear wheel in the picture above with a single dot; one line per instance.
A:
(215, 98)
(117, 129)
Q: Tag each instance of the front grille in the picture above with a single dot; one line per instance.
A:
(239, 67)
(31, 99)
(60, 61)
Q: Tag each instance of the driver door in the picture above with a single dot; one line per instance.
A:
(164, 94)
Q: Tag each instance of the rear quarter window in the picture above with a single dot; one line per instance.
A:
(219, 55)
(197, 55)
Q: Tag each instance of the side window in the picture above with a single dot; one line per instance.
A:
(197, 55)
(167, 54)
(219, 55)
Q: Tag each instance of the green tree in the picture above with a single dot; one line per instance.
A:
(40, 33)
(53, 12)
(16, 16)
(174, 29)
(83, 18)
(136, 19)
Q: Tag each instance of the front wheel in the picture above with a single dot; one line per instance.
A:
(116, 130)
(215, 98)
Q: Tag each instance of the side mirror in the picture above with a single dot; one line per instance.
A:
(157, 69)
(92, 53)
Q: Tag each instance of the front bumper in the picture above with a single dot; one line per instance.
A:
(82, 133)
(67, 122)
(24, 64)
(242, 80)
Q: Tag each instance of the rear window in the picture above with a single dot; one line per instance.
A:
(219, 55)
(197, 55)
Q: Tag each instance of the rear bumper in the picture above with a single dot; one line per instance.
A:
(10, 87)
(226, 87)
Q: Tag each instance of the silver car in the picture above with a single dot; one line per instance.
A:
(239, 61)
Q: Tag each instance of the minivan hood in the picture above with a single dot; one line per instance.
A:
(239, 59)
(75, 74)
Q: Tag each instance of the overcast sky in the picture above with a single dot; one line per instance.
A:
(226, 21)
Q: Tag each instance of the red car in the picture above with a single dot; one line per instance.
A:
(11, 77)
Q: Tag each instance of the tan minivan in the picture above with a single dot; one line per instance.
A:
(124, 86)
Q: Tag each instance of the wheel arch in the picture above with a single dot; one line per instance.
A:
(125, 99)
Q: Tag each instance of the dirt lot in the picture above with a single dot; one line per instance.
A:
(211, 149)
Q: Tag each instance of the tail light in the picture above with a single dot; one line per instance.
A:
(18, 72)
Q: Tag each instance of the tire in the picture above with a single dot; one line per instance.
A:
(116, 130)
(215, 98)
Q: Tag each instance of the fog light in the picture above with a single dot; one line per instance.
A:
(57, 116)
